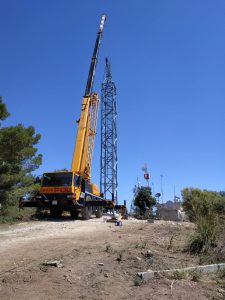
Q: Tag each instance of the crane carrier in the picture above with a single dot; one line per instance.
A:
(73, 190)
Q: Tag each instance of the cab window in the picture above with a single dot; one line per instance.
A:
(76, 180)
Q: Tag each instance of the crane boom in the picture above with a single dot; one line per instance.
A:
(91, 74)
(83, 151)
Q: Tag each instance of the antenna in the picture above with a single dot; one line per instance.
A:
(146, 173)
(161, 177)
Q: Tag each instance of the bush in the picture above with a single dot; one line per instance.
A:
(206, 209)
(196, 276)
(178, 275)
(206, 234)
(198, 202)
(13, 214)
(9, 214)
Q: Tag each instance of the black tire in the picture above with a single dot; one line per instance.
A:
(99, 212)
(86, 213)
(56, 213)
(74, 214)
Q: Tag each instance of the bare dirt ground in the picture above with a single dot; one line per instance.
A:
(100, 260)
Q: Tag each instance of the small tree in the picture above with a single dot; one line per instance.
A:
(18, 159)
(3, 110)
(200, 202)
(144, 199)
(205, 209)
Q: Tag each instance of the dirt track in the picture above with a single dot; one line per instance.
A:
(100, 260)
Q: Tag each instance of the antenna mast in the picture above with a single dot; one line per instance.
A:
(108, 168)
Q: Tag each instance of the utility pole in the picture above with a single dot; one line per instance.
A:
(161, 177)
(108, 168)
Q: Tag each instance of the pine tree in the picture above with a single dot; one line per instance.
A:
(18, 159)
(144, 199)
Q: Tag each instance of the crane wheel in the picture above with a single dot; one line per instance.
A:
(86, 213)
(99, 212)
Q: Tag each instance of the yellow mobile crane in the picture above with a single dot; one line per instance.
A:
(72, 190)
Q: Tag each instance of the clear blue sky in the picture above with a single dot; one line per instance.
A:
(168, 62)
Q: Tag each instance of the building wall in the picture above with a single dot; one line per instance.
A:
(171, 214)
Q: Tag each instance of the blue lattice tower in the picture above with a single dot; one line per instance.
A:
(108, 173)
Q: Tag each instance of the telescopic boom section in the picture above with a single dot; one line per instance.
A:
(91, 74)
(83, 151)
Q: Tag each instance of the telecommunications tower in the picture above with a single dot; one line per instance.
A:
(108, 168)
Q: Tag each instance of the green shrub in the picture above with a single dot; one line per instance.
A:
(206, 209)
(138, 281)
(141, 245)
(196, 276)
(206, 234)
(198, 202)
(9, 214)
(12, 214)
(178, 275)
